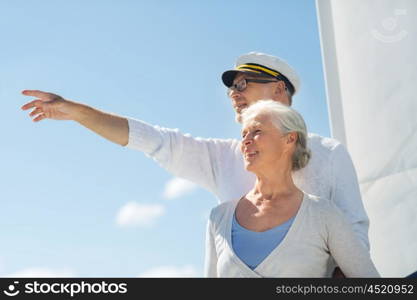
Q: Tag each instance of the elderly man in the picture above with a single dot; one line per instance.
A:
(217, 164)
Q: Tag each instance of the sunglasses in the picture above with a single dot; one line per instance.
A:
(241, 85)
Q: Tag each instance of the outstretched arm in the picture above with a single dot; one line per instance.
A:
(51, 106)
(198, 160)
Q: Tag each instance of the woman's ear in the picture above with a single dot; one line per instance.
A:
(292, 137)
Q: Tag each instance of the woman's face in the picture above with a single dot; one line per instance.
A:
(263, 145)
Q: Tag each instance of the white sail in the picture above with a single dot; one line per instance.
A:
(369, 50)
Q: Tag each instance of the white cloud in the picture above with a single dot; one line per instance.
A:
(136, 214)
(42, 272)
(170, 271)
(177, 187)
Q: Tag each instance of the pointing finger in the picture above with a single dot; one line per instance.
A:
(39, 94)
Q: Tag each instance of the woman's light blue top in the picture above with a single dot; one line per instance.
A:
(253, 247)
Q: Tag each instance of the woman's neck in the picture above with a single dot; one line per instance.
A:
(275, 184)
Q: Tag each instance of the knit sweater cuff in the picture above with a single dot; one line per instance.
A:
(143, 136)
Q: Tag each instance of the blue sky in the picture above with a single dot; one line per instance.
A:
(62, 187)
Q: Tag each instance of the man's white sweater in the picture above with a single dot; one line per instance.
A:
(217, 165)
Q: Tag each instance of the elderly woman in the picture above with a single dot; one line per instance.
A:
(277, 230)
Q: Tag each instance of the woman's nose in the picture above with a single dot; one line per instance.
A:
(247, 141)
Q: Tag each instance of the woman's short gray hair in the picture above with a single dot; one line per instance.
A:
(287, 120)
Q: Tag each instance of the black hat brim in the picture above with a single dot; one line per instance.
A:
(229, 76)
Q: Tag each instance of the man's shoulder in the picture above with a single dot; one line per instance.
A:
(317, 142)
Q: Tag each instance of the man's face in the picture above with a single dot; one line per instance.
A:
(255, 91)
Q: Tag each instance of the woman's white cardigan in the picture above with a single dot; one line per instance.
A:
(319, 231)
